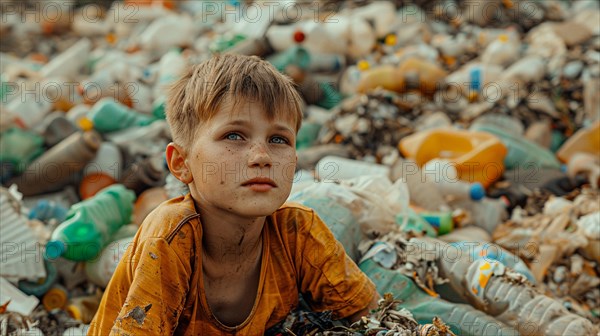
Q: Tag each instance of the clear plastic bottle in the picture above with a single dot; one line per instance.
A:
(90, 224)
(445, 177)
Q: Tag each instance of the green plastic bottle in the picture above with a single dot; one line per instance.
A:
(109, 115)
(462, 319)
(19, 148)
(91, 223)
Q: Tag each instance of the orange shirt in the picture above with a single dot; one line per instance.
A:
(157, 287)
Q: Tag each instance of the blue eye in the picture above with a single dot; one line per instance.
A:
(233, 136)
(279, 140)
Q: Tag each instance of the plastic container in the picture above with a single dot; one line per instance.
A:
(108, 115)
(102, 171)
(477, 156)
(413, 222)
(338, 168)
(510, 124)
(52, 170)
(311, 62)
(101, 270)
(520, 150)
(585, 140)
(462, 319)
(90, 224)
(443, 222)
(517, 305)
(491, 252)
(422, 192)
(19, 147)
(445, 177)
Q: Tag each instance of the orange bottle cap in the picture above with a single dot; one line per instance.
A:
(85, 124)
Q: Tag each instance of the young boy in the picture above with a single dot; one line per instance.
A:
(229, 257)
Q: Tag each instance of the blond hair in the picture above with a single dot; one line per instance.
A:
(197, 96)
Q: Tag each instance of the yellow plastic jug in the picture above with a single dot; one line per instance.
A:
(477, 156)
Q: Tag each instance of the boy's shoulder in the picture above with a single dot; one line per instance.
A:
(169, 218)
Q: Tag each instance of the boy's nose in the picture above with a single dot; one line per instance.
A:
(259, 156)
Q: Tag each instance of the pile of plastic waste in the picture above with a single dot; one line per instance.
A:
(453, 147)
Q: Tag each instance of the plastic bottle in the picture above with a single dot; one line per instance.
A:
(489, 252)
(108, 115)
(101, 270)
(413, 222)
(311, 62)
(63, 160)
(520, 150)
(102, 171)
(84, 308)
(421, 192)
(69, 63)
(338, 168)
(45, 210)
(477, 156)
(18, 148)
(145, 174)
(90, 224)
(463, 319)
(443, 222)
(585, 140)
(445, 177)
(518, 305)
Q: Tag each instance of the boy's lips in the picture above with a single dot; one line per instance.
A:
(260, 184)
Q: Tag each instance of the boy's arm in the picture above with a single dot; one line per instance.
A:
(328, 278)
(155, 299)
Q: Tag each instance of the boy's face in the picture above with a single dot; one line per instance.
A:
(242, 162)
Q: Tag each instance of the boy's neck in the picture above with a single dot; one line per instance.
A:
(226, 237)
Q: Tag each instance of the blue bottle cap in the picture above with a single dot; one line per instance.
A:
(55, 249)
(477, 191)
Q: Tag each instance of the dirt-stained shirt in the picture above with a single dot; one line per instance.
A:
(157, 288)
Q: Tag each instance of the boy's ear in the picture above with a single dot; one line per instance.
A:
(176, 160)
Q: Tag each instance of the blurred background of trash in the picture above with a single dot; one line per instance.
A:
(452, 146)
